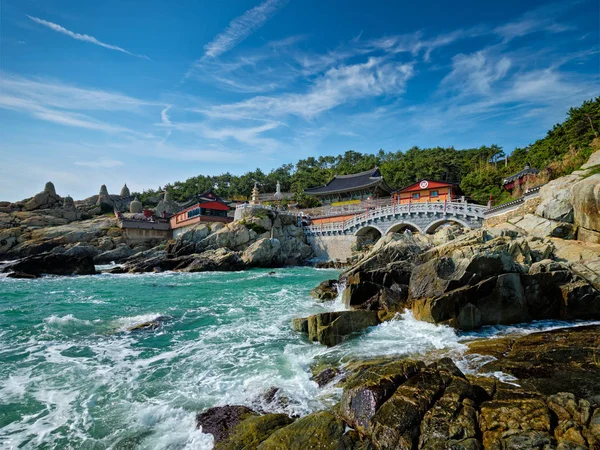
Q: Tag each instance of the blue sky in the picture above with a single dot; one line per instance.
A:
(153, 92)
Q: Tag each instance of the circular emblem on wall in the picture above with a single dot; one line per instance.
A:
(423, 184)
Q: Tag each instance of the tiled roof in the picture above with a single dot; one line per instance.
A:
(526, 171)
(343, 183)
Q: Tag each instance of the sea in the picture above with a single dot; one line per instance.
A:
(74, 375)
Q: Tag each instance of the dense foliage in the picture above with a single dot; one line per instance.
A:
(478, 170)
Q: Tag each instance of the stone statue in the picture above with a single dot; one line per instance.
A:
(125, 192)
(104, 201)
(255, 195)
(166, 205)
(278, 195)
(135, 207)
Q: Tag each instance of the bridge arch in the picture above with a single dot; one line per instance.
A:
(368, 229)
(404, 225)
(433, 226)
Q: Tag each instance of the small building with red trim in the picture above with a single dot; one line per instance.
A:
(520, 178)
(208, 207)
(427, 191)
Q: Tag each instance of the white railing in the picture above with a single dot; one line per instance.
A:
(446, 208)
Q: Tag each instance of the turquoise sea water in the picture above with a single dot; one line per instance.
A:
(72, 376)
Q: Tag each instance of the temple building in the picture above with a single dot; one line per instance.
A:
(349, 189)
(428, 191)
(207, 208)
(520, 178)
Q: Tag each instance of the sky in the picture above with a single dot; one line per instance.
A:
(147, 93)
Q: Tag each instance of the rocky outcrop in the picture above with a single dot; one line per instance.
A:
(575, 199)
(53, 264)
(45, 199)
(332, 327)
(391, 403)
(586, 208)
(327, 290)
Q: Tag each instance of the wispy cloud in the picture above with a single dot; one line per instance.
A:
(83, 37)
(337, 86)
(241, 27)
(62, 104)
(100, 163)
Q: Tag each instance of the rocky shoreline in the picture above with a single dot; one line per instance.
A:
(387, 403)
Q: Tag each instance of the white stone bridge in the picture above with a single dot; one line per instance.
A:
(422, 217)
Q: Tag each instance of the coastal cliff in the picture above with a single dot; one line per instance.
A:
(523, 267)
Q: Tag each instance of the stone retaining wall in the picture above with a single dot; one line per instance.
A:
(526, 208)
(332, 247)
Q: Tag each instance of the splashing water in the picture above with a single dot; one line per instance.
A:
(72, 375)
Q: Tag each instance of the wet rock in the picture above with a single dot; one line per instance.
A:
(397, 422)
(357, 295)
(326, 290)
(221, 420)
(369, 387)
(321, 430)
(331, 328)
(326, 376)
(149, 325)
(53, 264)
(21, 275)
(252, 431)
(515, 423)
(563, 360)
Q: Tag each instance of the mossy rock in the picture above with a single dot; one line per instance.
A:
(321, 430)
(248, 434)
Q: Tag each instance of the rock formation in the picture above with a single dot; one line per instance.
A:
(395, 403)
(104, 201)
(575, 199)
(125, 192)
(44, 200)
(167, 206)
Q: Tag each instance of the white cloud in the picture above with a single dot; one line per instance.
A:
(59, 95)
(100, 163)
(59, 103)
(476, 73)
(241, 27)
(337, 86)
(83, 37)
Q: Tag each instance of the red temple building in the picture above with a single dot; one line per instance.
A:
(428, 191)
(208, 208)
(520, 178)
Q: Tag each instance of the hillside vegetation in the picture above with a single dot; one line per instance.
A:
(478, 170)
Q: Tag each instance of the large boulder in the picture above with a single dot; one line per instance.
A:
(210, 261)
(586, 207)
(120, 253)
(441, 275)
(53, 264)
(265, 252)
(496, 300)
(326, 290)
(556, 199)
(332, 327)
